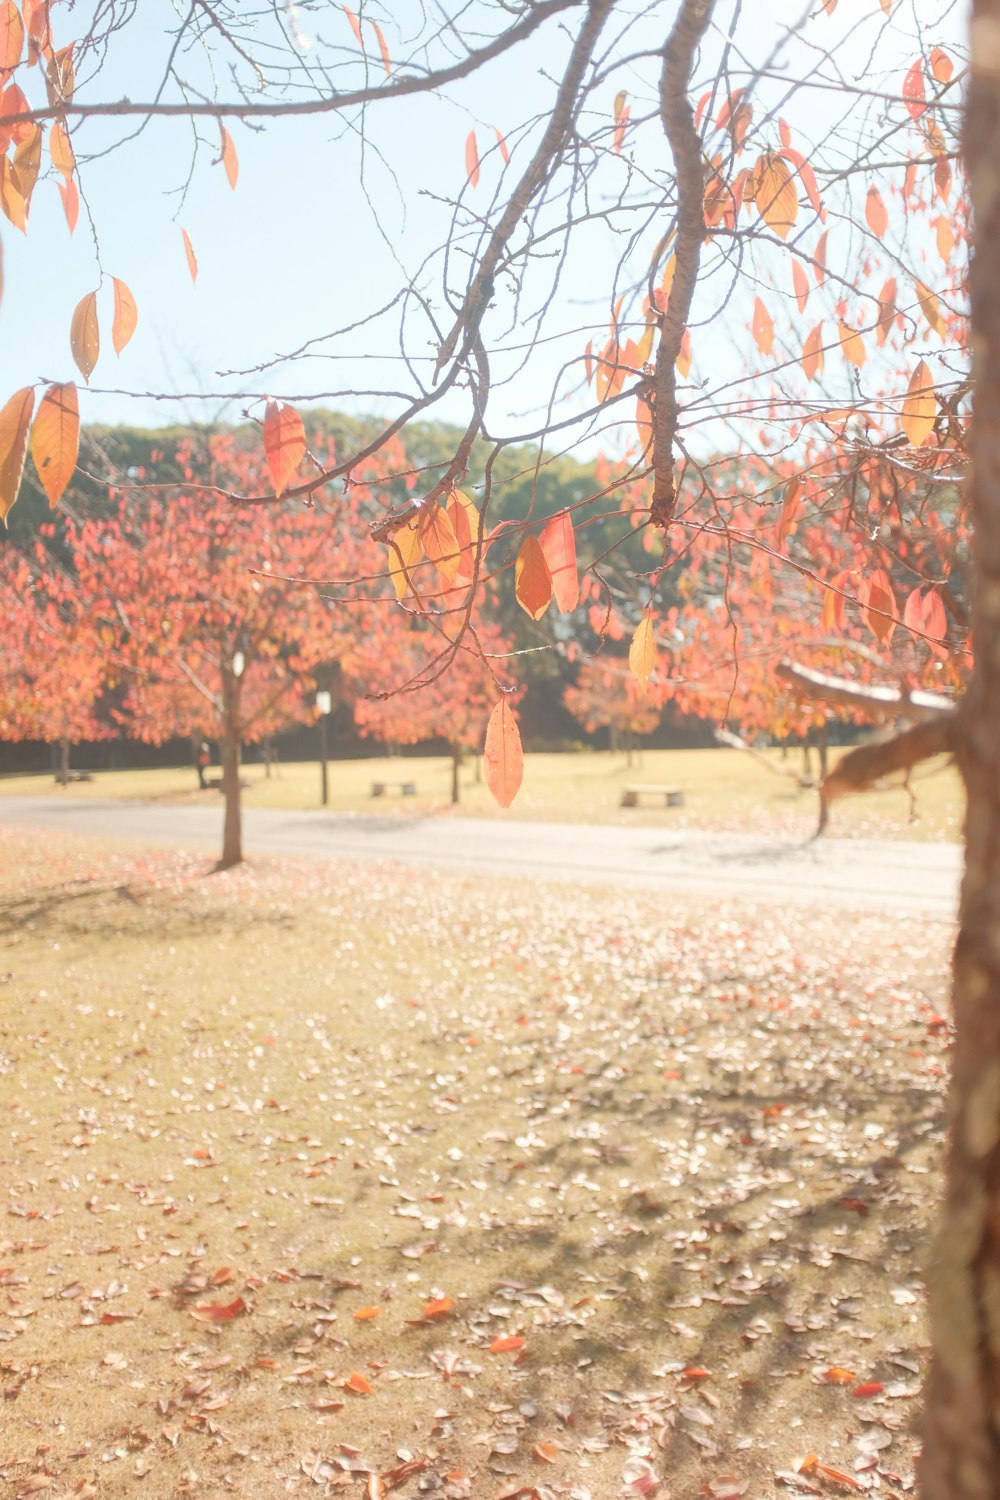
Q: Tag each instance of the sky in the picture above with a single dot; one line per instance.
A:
(321, 230)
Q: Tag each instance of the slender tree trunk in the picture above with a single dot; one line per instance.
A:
(823, 749)
(64, 761)
(456, 766)
(961, 1458)
(232, 827)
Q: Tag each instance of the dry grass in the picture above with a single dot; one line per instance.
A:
(650, 1140)
(724, 789)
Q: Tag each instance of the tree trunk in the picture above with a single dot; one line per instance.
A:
(823, 749)
(961, 1457)
(63, 776)
(232, 826)
(456, 766)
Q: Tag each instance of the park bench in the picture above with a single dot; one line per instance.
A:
(633, 795)
(404, 788)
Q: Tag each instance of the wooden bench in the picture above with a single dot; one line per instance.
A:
(633, 795)
(404, 788)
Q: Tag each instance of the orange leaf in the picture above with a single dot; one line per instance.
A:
(85, 335)
(876, 212)
(941, 64)
(837, 1476)
(219, 1312)
(440, 542)
(852, 345)
(919, 407)
(61, 150)
(126, 315)
(878, 605)
(945, 238)
(506, 1345)
(868, 1388)
(558, 543)
(11, 36)
(913, 90)
(819, 259)
(70, 202)
(189, 252)
(774, 194)
(642, 652)
(440, 1307)
(284, 443)
(837, 1375)
(358, 1384)
(547, 1452)
(533, 583)
(812, 353)
(405, 552)
(464, 518)
(502, 144)
(355, 24)
(924, 613)
(230, 160)
(763, 327)
(472, 159)
(15, 420)
(504, 763)
(55, 440)
(800, 281)
(789, 510)
(387, 65)
(25, 165)
(365, 1314)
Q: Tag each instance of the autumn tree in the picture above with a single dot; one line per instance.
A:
(606, 695)
(728, 248)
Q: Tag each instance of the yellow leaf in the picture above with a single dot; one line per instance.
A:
(945, 238)
(919, 407)
(55, 439)
(61, 150)
(852, 345)
(85, 335)
(440, 542)
(11, 200)
(642, 653)
(503, 758)
(15, 419)
(930, 307)
(26, 162)
(126, 315)
(405, 552)
(532, 580)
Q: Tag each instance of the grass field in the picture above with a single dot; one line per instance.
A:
(723, 789)
(317, 1180)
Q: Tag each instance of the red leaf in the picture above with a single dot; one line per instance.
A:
(70, 196)
(502, 144)
(868, 1388)
(219, 1312)
(355, 24)
(229, 158)
(189, 252)
(386, 63)
(507, 1345)
(913, 90)
(502, 755)
(284, 443)
(533, 583)
(878, 605)
(472, 159)
(558, 543)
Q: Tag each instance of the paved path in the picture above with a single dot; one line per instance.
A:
(865, 873)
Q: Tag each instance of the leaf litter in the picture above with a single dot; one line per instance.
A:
(512, 1194)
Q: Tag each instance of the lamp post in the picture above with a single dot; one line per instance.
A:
(324, 702)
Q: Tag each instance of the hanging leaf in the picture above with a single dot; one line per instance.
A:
(852, 344)
(70, 202)
(789, 509)
(878, 605)
(532, 581)
(945, 238)
(15, 103)
(558, 543)
(11, 200)
(383, 49)
(284, 443)
(85, 335)
(763, 327)
(15, 420)
(61, 150)
(502, 144)
(405, 552)
(642, 653)
(60, 77)
(11, 36)
(819, 259)
(465, 519)
(812, 353)
(440, 542)
(886, 311)
(26, 163)
(126, 315)
(876, 213)
(930, 307)
(588, 361)
(355, 25)
(942, 66)
(774, 194)
(472, 159)
(832, 613)
(55, 439)
(913, 90)
(503, 758)
(919, 407)
(800, 282)
(229, 158)
(189, 252)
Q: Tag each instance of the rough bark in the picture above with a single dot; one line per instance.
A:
(232, 825)
(961, 1458)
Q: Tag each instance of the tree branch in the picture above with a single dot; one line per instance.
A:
(862, 768)
(888, 702)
